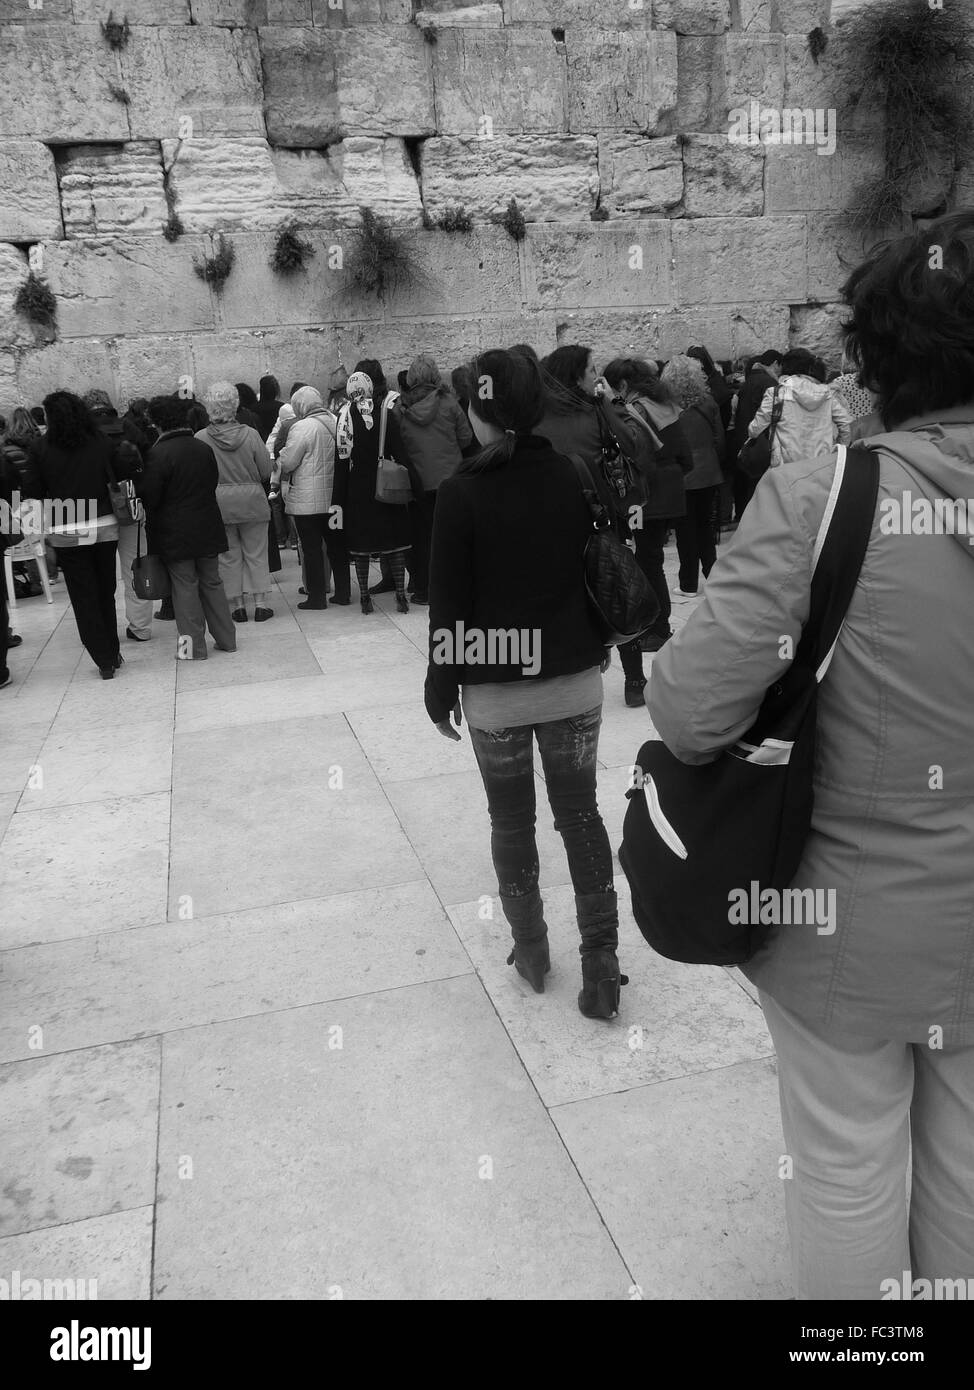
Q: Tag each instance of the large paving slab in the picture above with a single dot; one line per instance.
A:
(685, 1175)
(79, 1134)
(675, 1019)
(104, 1257)
(180, 974)
(413, 1162)
(99, 763)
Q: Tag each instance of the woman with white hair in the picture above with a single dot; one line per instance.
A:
(245, 466)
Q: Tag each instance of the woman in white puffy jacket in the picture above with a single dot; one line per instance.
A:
(308, 461)
(813, 418)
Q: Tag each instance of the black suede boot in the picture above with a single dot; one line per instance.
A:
(598, 925)
(530, 956)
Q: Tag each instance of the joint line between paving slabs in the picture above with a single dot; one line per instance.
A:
(155, 1176)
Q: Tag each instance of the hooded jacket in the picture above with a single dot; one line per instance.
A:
(308, 457)
(813, 420)
(434, 433)
(893, 823)
(245, 466)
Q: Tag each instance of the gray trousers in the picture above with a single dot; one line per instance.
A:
(199, 602)
(138, 611)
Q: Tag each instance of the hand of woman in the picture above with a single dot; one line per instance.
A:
(446, 728)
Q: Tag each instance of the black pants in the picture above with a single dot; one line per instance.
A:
(4, 621)
(89, 574)
(421, 513)
(312, 530)
(650, 539)
(743, 492)
(696, 536)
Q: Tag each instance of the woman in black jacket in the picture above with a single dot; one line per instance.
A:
(68, 470)
(185, 528)
(512, 636)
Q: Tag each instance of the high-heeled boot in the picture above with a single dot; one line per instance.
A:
(530, 956)
(598, 925)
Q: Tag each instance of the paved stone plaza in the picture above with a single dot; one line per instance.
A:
(326, 1082)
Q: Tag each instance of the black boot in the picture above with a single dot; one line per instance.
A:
(530, 956)
(598, 924)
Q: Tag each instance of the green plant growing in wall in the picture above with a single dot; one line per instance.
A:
(172, 228)
(383, 262)
(215, 269)
(36, 302)
(513, 221)
(455, 219)
(115, 35)
(290, 250)
(817, 43)
(118, 93)
(599, 214)
(911, 58)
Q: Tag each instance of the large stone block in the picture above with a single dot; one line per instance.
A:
(499, 79)
(831, 84)
(211, 76)
(29, 207)
(692, 16)
(256, 295)
(291, 12)
(722, 260)
(144, 284)
(109, 192)
(802, 16)
(835, 248)
(554, 178)
(818, 327)
(466, 273)
(433, 20)
(799, 179)
(55, 84)
(152, 366)
(599, 267)
(653, 332)
(701, 82)
(51, 12)
(311, 354)
(247, 185)
(320, 85)
(230, 14)
(607, 14)
(336, 14)
(723, 179)
(755, 70)
(753, 16)
(65, 366)
(135, 11)
(640, 177)
(228, 356)
(621, 81)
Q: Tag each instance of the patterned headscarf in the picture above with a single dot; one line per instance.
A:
(359, 390)
(222, 402)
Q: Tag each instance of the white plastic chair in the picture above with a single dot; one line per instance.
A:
(26, 550)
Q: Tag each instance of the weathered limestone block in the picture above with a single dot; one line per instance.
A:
(499, 79)
(621, 81)
(255, 294)
(466, 273)
(701, 102)
(229, 14)
(653, 332)
(292, 12)
(210, 75)
(798, 179)
(52, 11)
(755, 70)
(10, 396)
(802, 16)
(835, 248)
(490, 16)
(245, 184)
(135, 11)
(831, 84)
(638, 176)
(554, 178)
(152, 278)
(229, 356)
(29, 207)
(451, 340)
(152, 366)
(108, 192)
(86, 364)
(311, 354)
(335, 15)
(818, 328)
(55, 84)
(729, 259)
(595, 267)
(753, 16)
(608, 14)
(723, 179)
(755, 327)
(692, 16)
(322, 84)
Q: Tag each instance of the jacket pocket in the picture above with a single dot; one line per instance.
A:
(662, 826)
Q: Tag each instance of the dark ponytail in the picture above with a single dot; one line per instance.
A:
(506, 391)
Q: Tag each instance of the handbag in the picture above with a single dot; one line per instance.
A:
(699, 839)
(622, 473)
(126, 505)
(621, 597)
(392, 482)
(754, 460)
(150, 578)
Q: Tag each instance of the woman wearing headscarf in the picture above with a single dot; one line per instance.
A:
(435, 431)
(247, 409)
(268, 405)
(245, 467)
(373, 528)
(308, 461)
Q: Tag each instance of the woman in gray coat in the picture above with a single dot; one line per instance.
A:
(872, 1010)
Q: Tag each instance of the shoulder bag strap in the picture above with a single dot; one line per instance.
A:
(383, 414)
(840, 549)
(589, 491)
(777, 406)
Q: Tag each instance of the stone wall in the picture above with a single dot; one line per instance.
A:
(606, 120)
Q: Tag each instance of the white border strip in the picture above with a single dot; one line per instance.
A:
(823, 530)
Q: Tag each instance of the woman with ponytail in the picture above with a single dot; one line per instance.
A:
(513, 641)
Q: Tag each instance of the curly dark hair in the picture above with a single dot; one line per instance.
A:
(170, 412)
(910, 331)
(800, 362)
(70, 424)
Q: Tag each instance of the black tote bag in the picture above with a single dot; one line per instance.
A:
(694, 836)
